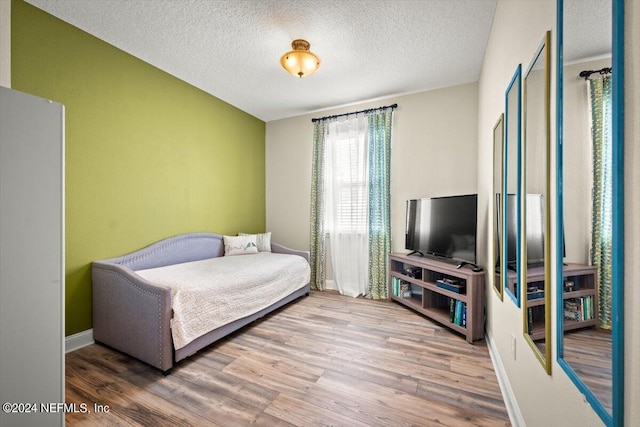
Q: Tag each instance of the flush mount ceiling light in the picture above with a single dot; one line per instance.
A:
(300, 61)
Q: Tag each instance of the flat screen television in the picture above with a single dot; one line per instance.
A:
(534, 227)
(443, 227)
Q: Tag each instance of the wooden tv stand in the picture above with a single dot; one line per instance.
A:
(435, 302)
(584, 285)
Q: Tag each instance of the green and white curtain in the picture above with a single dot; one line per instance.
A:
(379, 202)
(350, 202)
(318, 237)
(601, 222)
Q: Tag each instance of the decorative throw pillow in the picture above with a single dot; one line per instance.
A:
(240, 245)
(263, 241)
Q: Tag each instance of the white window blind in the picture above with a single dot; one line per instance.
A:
(347, 170)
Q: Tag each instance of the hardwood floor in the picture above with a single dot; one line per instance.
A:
(588, 351)
(325, 360)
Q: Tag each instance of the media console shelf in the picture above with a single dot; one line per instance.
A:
(458, 303)
(580, 298)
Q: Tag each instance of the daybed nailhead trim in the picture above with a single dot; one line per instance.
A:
(172, 241)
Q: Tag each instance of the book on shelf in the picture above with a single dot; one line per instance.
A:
(573, 310)
(458, 312)
(579, 309)
(587, 309)
(401, 288)
(464, 315)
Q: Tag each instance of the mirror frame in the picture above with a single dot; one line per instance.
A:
(616, 418)
(542, 52)
(498, 172)
(517, 77)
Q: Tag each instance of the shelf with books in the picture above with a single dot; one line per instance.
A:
(580, 296)
(438, 290)
(580, 281)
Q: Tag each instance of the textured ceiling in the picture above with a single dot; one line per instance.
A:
(587, 29)
(231, 49)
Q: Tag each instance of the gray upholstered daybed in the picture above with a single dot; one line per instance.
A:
(165, 302)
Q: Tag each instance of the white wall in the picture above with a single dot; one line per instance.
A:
(518, 28)
(5, 43)
(434, 153)
(542, 399)
(578, 164)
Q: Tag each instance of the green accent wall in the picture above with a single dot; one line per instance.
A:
(148, 156)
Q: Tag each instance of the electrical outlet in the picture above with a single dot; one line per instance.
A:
(513, 346)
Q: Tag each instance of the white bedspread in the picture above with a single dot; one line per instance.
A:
(210, 293)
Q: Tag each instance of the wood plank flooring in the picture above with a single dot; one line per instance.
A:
(324, 360)
(588, 351)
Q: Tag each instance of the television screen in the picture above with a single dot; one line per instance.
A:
(443, 227)
(534, 227)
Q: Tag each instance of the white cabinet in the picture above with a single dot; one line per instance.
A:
(31, 257)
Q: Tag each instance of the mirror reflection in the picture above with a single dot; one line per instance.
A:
(498, 140)
(536, 271)
(587, 140)
(511, 181)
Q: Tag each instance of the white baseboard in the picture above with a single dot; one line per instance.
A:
(330, 285)
(513, 409)
(79, 340)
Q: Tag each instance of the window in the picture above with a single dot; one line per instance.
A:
(350, 185)
(346, 177)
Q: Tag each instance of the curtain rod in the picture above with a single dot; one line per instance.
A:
(587, 73)
(355, 112)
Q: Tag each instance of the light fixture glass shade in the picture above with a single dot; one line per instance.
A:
(300, 61)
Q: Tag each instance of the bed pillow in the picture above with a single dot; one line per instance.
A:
(240, 245)
(263, 241)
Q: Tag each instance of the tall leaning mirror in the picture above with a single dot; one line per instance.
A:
(534, 199)
(589, 210)
(498, 169)
(510, 220)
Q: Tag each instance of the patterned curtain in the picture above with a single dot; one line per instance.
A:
(379, 201)
(379, 122)
(601, 222)
(318, 235)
